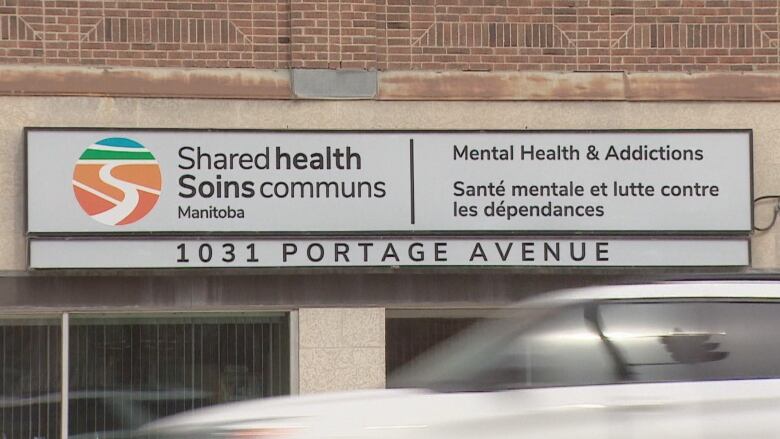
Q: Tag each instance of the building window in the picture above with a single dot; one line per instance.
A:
(30, 378)
(126, 371)
(409, 333)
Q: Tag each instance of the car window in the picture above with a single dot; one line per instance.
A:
(614, 342)
(692, 341)
(563, 350)
(471, 360)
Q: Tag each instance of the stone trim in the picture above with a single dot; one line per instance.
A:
(392, 85)
(607, 86)
(502, 86)
(145, 82)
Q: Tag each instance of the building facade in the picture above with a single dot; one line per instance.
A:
(165, 339)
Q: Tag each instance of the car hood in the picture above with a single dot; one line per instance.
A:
(372, 409)
(386, 414)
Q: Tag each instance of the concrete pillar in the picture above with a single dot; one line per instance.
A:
(341, 349)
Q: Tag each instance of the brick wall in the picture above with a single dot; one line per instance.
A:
(532, 35)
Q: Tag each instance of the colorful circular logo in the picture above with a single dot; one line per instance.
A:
(117, 181)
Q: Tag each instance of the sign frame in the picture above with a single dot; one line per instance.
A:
(396, 233)
(192, 253)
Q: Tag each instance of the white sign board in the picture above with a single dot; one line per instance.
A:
(369, 252)
(89, 181)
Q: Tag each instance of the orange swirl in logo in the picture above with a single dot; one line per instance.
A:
(117, 181)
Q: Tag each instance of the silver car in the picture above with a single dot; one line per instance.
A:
(666, 360)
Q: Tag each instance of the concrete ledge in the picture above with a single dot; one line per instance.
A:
(144, 82)
(725, 86)
(576, 86)
(394, 85)
(501, 86)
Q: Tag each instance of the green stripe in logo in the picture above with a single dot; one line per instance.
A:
(96, 154)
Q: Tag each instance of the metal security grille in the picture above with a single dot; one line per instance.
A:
(406, 338)
(29, 379)
(126, 372)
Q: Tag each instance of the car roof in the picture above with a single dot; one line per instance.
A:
(727, 288)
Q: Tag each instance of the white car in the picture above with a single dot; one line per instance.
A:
(667, 360)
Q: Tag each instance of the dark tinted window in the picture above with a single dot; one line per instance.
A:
(654, 341)
(678, 341)
(125, 372)
(563, 349)
(533, 348)
(29, 378)
(406, 338)
(620, 342)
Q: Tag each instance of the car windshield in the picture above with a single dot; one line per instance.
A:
(466, 362)
(604, 342)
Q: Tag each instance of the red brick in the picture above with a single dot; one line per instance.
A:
(553, 35)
